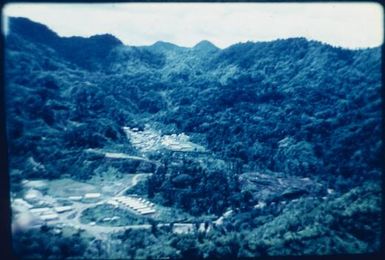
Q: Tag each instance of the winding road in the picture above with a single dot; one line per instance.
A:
(100, 232)
(72, 218)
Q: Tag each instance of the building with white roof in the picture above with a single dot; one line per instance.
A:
(146, 211)
(48, 217)
(113, 202)
(92, 195)
(62, 209)
(39, 210)
(182, 228)
(139, 205)
(75, 197)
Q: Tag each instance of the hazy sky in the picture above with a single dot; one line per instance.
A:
(352, 25)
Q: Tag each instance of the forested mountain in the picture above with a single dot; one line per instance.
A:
(289, 109)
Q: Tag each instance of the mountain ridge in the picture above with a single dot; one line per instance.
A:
(205, 45)
(99, 46)
(244, 75)
(278, 123)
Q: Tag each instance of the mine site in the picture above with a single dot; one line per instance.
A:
(100, 206)
(162, 134)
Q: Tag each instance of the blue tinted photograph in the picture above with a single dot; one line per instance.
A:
(193, 130)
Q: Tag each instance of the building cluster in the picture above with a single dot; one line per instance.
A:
(151, 140)
(48, 214)
(138, 205)
(185, 228)
(145, 141)
(52, 213)
(177, 142)
(91, 195)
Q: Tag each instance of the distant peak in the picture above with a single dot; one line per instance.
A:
(39, 32)
(165, 45)
(31, 30)
(205, 45)
(108, 38)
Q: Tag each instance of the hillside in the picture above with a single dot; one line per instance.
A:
(302, 112)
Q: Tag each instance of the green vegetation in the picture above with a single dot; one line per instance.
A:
(189, 185)
(309, 226)
(108, 215)
(44, 243)
(304, 113)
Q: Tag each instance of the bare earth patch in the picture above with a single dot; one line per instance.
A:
(68, 187)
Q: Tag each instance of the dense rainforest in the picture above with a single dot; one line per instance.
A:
(284, 123)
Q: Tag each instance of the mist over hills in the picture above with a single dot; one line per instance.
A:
(290, 109)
